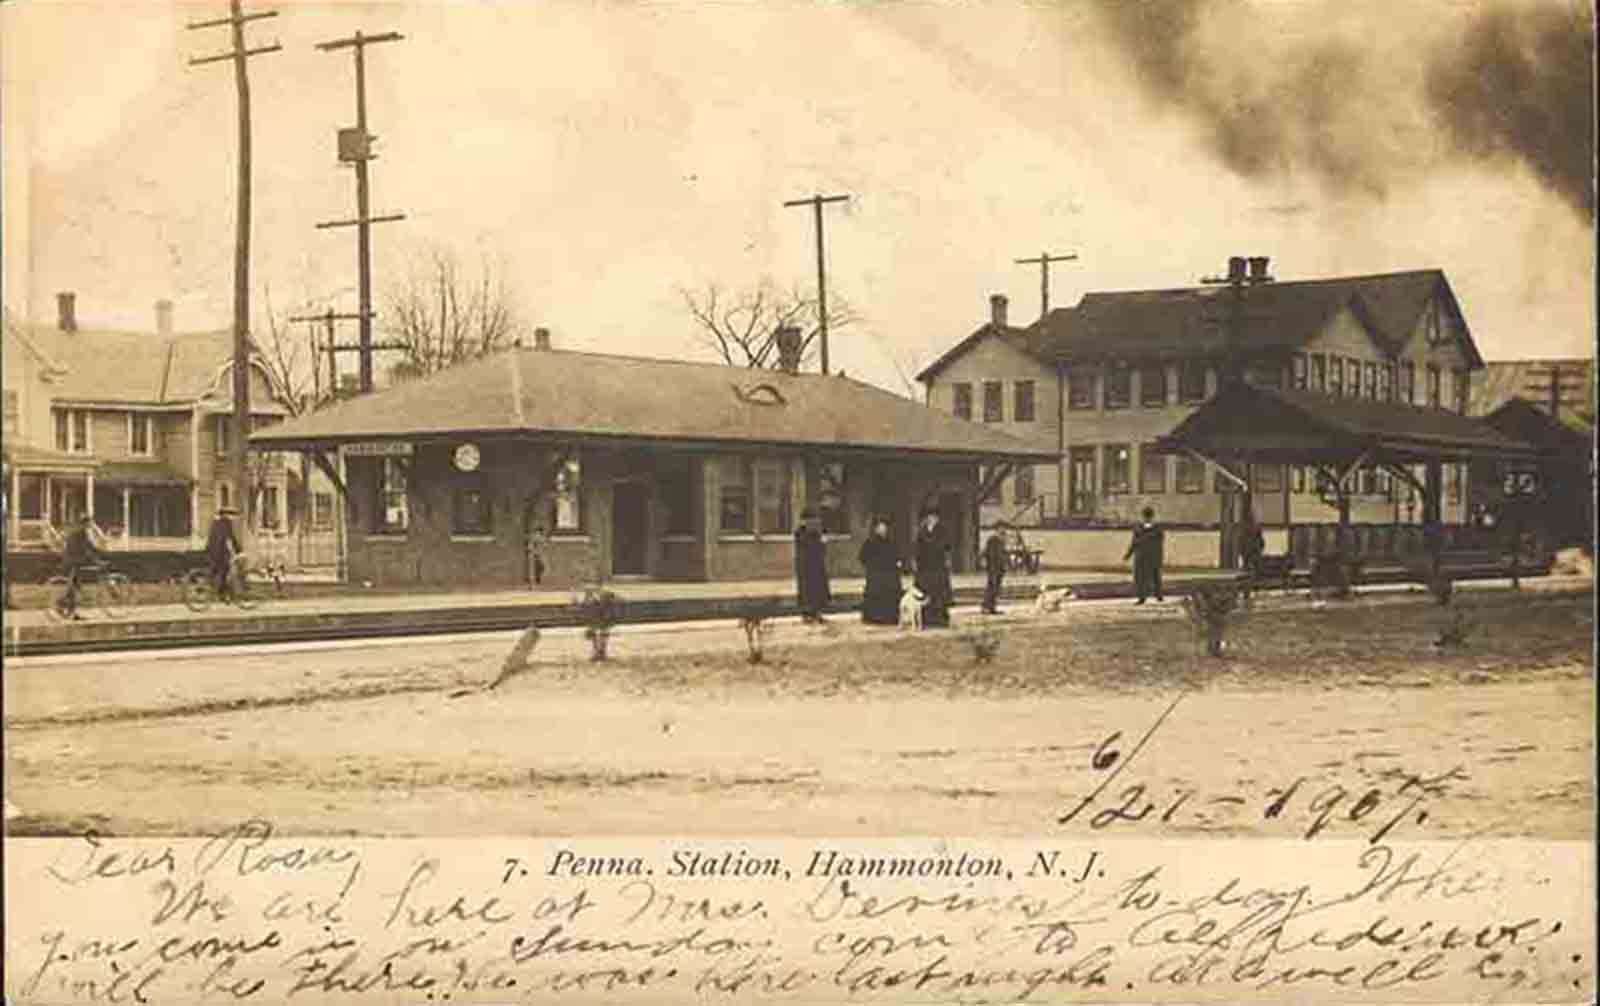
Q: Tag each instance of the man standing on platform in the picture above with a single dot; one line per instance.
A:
(221, 546)
(811, 569)
(1145, 550)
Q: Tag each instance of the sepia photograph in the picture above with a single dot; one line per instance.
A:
(798, 501)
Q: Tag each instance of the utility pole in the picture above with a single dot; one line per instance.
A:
(1043, 262)
(355, 146)
(816, 203)
(239, 55)
(333, 347)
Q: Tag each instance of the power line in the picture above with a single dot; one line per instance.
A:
(816, 203)
(1043, 262)
(355, 147)
(239, 55)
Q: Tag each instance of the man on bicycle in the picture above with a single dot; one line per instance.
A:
(78, 552)
(221, 546)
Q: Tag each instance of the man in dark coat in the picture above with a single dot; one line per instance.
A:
(1252, 545)
(994, 564)
(1145, 550)
(811, 569)
(78, 551)
(221, 546)
(932, 550)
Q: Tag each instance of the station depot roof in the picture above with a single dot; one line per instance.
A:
(559, 395)
(1275, 426)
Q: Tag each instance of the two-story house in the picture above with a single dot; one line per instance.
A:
(132, 428)
(1108, 376)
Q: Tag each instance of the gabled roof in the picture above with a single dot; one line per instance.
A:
(1527, 421)
(1015, 337)
(1273, 425)
(1189, 321)
(569, 395)
(136, 368)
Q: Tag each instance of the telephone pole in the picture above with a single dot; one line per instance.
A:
(816, 203)
(239, 55)
(355, 146)
(1043, 262)
(333, 347)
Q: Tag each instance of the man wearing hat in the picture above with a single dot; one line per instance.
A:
(932, 551)
(221, 546)
(994, 563)
(811, 568)
(78, 552)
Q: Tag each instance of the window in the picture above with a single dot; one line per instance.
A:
(963, 400)
(1386, 382)
(1462, 387)
(1383, 484)
(1153, 386)
(1452, 474)
(268, 517)
(1267, 478)
(139, 433)
(1118, 469)
(1298, 372)
(1080, 389)
(1408, 382)
(676, 485)
(72, 431)
(30, 497)
(321, 511)
(1368, 482)
(1152, 470)
(773, 495)
(733, 495)
(1369, 380)
(223, 433)
(1022, 403)
(1192, 381)
(993, 401)
(1335, 377)
(1319, 373)
(1352, 378)
(569, 497)
(833, 502)
(472, 512)
(391, 515)
(13, 414)
(1191, 475)
(1433, 386)
(1022, 482)
(1297, 479)
(1119, 387)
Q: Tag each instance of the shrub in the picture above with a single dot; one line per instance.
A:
(756, 621)
(601, 610)
(1210, 607)
(1455, 634)
(985, 643)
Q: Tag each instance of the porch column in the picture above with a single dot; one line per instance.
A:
(88, 498)
(194, 515)
(13, 514)
(126, 514)
(1433, 499)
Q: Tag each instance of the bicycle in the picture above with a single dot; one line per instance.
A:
(98, 586)
(247, 585)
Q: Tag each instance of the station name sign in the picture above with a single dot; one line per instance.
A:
(377, 449)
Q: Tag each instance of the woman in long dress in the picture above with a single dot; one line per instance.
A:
(933, 571)
(880, 604)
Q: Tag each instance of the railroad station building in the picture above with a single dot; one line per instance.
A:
(595, 466)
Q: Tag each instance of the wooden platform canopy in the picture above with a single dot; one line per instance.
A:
(1246, 425)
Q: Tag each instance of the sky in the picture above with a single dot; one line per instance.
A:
(607, 156)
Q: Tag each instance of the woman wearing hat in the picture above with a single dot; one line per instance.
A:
(933, 569)
(880, 604)
(811, 568)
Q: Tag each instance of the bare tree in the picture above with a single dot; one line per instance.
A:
(742, 326)
(443, 313)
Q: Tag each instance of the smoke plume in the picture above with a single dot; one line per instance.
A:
(1510, 84)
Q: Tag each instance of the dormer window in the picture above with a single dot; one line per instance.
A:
(761, 394)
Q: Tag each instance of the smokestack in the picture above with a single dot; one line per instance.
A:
(788, 339)
(1236, 269)
(997, 310)
(67, 311)
(541, 338)
(164, 317)
(1258, 270)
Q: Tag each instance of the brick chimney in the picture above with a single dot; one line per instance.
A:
(788, 339)
(541, 338)
(1236, 269)
(163, 317)
(997, 310)
(1258, 270)
(67, 311)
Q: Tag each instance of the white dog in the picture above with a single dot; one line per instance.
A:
(1051, 599)
(911, 603)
